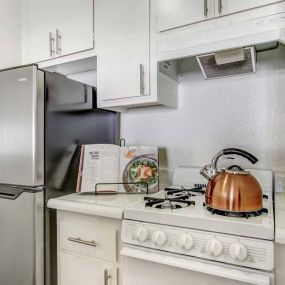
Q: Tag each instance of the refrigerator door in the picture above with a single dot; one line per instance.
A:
(21, 238)
(22, 126)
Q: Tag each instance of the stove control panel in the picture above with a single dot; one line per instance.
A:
(249, 252)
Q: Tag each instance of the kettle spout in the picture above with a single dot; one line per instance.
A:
(207, 171)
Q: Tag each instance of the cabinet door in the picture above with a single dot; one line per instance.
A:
(176, 13)
(123, 49)
(37, 23)
(78, 270)
(72, 19)
(74, 23)
(231, 6)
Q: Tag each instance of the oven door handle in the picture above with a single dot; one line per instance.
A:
(240, 275)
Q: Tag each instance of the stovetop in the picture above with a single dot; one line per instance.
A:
(181, 197)
(186, 209)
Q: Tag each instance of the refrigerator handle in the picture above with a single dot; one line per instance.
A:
(10, 196)
(12, 192)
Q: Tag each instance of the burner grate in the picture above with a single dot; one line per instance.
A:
(171, 191)
(238, 214)
(168, 203)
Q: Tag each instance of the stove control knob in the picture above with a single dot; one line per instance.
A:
(159, 238)
(141, 234)
(185, 242)
(214, 247)
(238, 252)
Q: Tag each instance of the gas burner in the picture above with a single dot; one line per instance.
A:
(170, 205)
(168, 202)
(238, 214)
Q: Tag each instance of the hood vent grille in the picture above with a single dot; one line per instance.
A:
(237, 62)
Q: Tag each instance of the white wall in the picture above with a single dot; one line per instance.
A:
(10, 33)
(244, 111)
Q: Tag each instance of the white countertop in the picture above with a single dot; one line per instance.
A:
(108, 205)
(280, 218)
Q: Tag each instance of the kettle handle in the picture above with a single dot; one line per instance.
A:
(240, 152)
(228, 151)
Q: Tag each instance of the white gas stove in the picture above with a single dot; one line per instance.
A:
(183, 227)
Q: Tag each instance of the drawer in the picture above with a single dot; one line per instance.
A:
(88, 239)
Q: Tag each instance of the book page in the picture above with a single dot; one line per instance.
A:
(80, 168)
(100, 165)
(138, 167)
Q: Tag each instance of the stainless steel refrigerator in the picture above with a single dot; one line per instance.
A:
(44, 118)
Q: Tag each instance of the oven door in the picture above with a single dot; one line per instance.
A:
(144, 266)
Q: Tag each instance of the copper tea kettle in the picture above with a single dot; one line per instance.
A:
(232, 190)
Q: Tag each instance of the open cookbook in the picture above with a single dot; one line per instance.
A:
(135, 167)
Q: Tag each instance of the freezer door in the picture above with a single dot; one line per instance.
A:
(22, 126)
(21, 238)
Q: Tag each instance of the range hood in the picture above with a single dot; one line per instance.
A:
(189, 42)
(228, 63)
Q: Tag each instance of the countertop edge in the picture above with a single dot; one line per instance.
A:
(85, 208)
(279, 218)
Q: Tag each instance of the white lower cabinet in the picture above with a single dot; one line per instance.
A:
(87, 248)
(82, 270)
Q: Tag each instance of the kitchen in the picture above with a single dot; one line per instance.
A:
(169, 105)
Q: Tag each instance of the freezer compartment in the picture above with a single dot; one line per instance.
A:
(66, 95)
(22, 126)
(21, 238)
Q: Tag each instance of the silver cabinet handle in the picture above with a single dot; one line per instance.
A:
(51, 45)
(106, 277)
(58, 38)
(220, 6)
(141, 79)
(205, 8)
(79, 240)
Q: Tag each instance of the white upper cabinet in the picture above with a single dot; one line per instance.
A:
(127, 69)
(75, 26)
(55, 28)
(10, 33)
(123, 49)
(175, 13)
(224, 7)
(37, 26)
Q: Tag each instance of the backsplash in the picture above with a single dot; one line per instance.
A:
(247, 112)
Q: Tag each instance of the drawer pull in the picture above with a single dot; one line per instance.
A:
(79, 240)
(106, 277)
